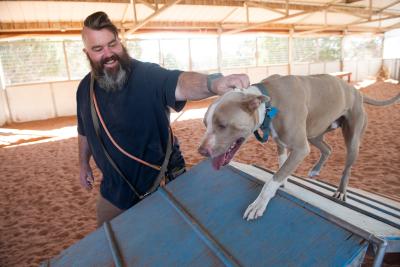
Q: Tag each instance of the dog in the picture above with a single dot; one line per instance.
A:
(308, 107)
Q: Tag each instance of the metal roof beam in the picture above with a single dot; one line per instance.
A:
(256, 25)
(156, 13)
(40, 26)
(149, 5)
(339, 27)
(238, 3)
(317, 9)
(148, 23)
(249, 27)
(181, 25)
(264, 6)
(273, 6)
(388, 6)
(228, 15)
(395, 26)
(374, 20)
(337, 10)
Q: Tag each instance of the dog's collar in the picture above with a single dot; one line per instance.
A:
(270, 113)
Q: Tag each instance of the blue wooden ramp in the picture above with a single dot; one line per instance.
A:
(197, 221)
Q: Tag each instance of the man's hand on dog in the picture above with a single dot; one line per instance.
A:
(224, 84)
(86, 177)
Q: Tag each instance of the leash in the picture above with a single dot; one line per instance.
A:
(96, 117)
(123, 151)
(270, 113)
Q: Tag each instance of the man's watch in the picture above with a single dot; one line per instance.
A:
(210, 79)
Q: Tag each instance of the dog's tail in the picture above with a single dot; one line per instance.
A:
(386, 102)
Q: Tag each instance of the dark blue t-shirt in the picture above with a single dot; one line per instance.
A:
(137, 117)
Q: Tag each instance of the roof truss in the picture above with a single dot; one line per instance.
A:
(285, 9)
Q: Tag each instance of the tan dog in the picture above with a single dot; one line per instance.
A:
(309, 106)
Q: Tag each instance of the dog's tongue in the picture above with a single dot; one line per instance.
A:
(225, 158)
(218, 162)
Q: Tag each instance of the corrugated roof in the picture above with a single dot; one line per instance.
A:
(224, 16)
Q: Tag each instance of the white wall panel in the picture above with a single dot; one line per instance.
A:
(65, 97)
(48, 100)
(31, 102)
(362, 70)
(317, 68)
(351, 66)
(257, 74)
(373, 66)
(393, 66)
(333, 66)
(300, 69)
(234, 71)
(281, 69)
(4, 116)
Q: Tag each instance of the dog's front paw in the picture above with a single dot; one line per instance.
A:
(255, 209)
(340, 195)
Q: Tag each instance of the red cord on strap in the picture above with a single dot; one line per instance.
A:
(156, 167)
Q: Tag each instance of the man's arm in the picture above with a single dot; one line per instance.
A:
(85, 171)
(193, 86)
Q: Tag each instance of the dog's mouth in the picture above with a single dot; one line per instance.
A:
(226, 157)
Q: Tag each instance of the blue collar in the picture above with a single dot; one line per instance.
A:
(270, 113)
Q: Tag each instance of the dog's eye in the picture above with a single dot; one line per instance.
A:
(221, 126)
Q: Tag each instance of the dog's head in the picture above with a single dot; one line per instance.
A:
(230, 120)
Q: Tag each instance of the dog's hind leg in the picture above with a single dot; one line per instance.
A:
(325, 151)
(352, 133)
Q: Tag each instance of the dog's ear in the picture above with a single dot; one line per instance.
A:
(252, 102)
(264, 98)
(208, 112)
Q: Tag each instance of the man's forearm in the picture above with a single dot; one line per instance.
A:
(196, 86)
(192, 86)
(84, 150)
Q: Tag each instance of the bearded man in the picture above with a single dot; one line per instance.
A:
(131, 99)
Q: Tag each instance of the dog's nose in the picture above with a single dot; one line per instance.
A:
(203, 151)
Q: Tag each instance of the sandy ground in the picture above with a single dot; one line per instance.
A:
(44, 210)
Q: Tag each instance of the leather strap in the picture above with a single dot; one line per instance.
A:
(162, 169)
(123, 151)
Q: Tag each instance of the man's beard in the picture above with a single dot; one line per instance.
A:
(112, 79)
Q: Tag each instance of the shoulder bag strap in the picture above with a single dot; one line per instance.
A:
(163, 168)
